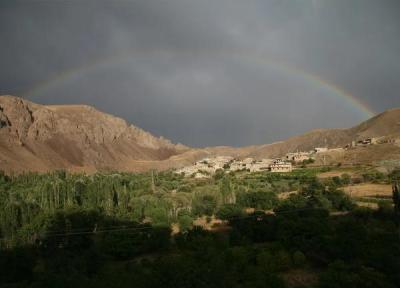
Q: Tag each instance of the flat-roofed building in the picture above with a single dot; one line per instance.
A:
(261, 165)
(298, 156)
(237, 165)
(320, 149)
(281, 166)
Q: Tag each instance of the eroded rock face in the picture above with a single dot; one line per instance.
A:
(77, 134)
(83, 123)
(44, 124)
(4, 122)
(16, 115)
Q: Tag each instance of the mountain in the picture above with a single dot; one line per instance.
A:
(42, 138)
(76, 137)
(385, 125)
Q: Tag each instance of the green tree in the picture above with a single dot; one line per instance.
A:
(185, 221)
(204, 205)
(396, 197)
(258, 200)
(229, 211)
(226, 190)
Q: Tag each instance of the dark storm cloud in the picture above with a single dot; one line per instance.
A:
(206, 72)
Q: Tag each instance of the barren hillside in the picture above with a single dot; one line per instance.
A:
(386, 124)
(40, 138)
(77, 137)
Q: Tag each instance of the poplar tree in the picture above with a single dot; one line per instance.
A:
(396, 197)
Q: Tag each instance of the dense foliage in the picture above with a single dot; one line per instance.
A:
(159, 198)
(114, 230)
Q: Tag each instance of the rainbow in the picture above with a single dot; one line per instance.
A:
(249, 57)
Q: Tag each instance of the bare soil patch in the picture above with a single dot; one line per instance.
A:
(371, 190)
(335, 173)
(300, 278)
(368, 205)
(214, 224)
(285, 195)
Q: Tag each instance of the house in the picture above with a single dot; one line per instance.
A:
(298, 156)
(262, 165)
(237, 165)
(365, 142)
(200, 175)
(206, 166)
(281, 166)
(369, 141)
(320, 149)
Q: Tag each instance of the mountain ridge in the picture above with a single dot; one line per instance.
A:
(74, 136)
(41, 138)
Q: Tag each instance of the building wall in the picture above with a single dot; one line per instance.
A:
(281, 167)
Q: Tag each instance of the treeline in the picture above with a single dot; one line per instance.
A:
(132, 197)
(159, 198)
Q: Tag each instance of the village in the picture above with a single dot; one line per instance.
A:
(209, 166)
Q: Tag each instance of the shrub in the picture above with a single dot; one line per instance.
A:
(341, 275)
(373, 176)
(159, 216)
(258, 200)
(339, 200)
(337, 180)
(385, 208)
(299, 259)
(294, 202)
(219, 174)
(283, 261)
(274, 261)
(395, 175)
(185, 222)
(229, 211)
(308, 161)
(346, 179)
(204, 205)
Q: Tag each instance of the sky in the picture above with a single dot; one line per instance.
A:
(206, 72)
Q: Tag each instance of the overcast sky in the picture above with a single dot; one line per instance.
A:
(207, 72)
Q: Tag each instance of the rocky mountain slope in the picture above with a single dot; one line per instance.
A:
(41, 138)
(386, 124)
(77, 137)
